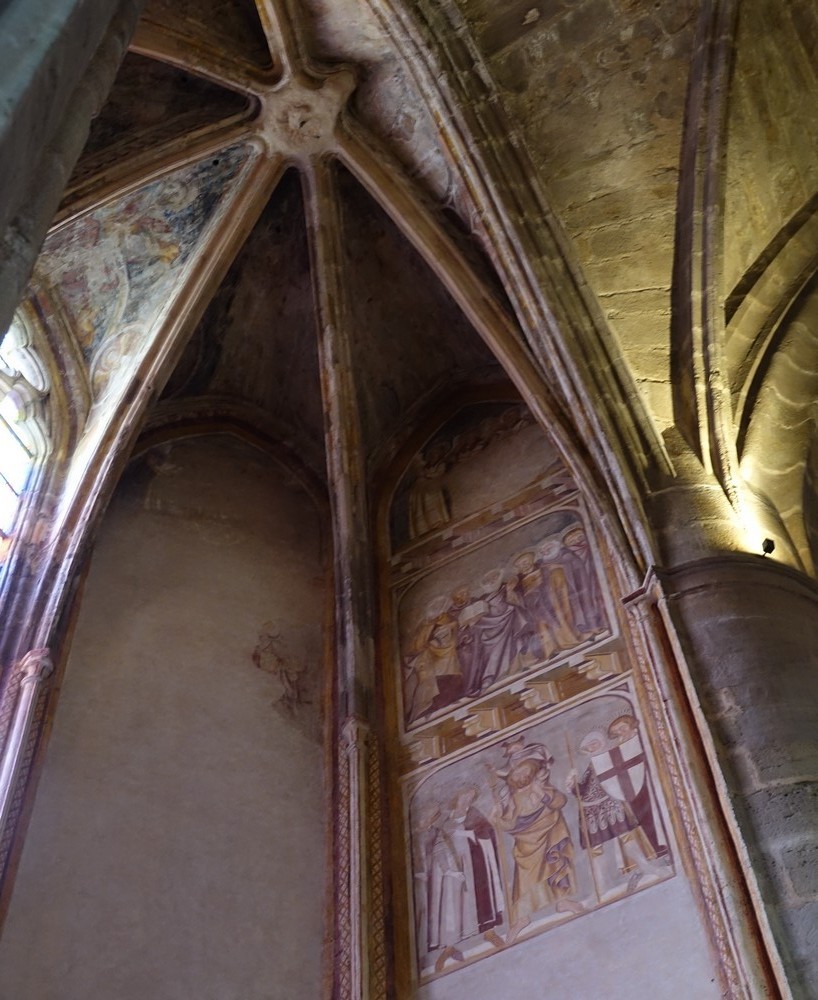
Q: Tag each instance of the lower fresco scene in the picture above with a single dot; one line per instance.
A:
(538, 828)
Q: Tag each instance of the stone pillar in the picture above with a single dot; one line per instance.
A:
(747, 627)
(360, 953)
(59, 62)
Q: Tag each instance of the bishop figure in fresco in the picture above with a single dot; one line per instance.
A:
(446, 913)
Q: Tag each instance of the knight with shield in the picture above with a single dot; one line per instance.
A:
(623, 773)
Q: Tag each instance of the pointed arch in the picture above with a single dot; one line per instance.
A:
(562, 324)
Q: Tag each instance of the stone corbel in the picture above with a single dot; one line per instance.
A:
(425, 748)
(601, 666)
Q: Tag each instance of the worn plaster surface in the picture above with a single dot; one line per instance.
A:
(178, 844)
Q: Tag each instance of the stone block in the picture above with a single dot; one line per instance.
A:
(800, 930)
(786, 758)
(801, 864)
(785, 817)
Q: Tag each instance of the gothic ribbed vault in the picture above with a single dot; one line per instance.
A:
(314, 223)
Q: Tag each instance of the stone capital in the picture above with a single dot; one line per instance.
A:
(36, 665)
(354, 734)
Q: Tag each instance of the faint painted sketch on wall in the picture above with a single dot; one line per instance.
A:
(541, 827)
(117, 265)
(517, 603)
(293, 664)
(486, 453)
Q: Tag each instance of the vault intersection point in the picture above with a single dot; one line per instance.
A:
(298, 120)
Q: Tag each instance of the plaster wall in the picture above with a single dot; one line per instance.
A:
(751, 631)
(177, 843)
(614, 956)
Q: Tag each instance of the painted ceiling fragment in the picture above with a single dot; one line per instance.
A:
(112, 271)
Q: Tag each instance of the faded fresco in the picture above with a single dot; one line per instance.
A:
(112, 271)
(517, 603)
(540, 827)
(457, 473)
(530, 792)
(290, 656)
(496, 582)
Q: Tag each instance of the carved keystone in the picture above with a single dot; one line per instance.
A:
(299, 120)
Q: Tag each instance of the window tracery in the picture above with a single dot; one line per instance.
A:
(24, 435)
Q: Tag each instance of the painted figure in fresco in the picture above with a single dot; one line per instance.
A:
(532, 590)
(512, 419)
(603, 818)
(583, 585)
(272, 656)
(434, 677)
(549, 602)
(626, 776)
(501, 631)
(467, 640)
(94, 289)
(469, 616)
(551, 558)
(543, 852)
(468, 443)
(447, 909)
(429, 505)
(473, 830)
(516, 750)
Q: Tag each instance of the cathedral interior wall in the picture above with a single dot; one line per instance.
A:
(533, 841)
(177, 846)
(179, 819)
